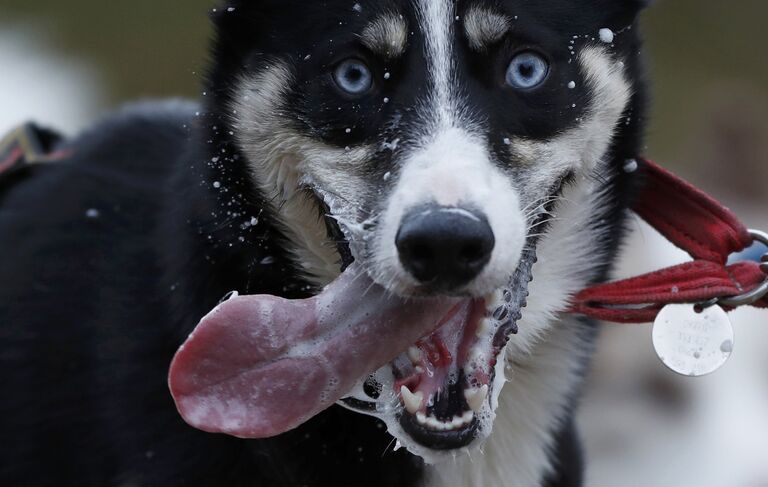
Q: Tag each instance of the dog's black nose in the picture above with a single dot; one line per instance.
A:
(447, 247)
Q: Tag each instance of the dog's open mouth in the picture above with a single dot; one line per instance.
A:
(439, 378)
(441, 385)
(440, 393)
(443, 380)
(258, 366)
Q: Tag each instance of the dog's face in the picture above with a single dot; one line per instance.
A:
(436, 133)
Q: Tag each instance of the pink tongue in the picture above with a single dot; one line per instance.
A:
(258, 366)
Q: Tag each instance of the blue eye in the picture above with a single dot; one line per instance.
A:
(353, 77)
(527, 70)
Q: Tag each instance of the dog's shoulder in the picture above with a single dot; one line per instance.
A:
(109, 183)
(84, 224)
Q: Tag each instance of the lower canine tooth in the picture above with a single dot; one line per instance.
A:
(412, 401)
(476, 397)
(421, 418)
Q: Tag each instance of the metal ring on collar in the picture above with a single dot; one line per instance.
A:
(760, 291)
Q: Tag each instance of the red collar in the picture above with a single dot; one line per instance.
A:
(704, 228)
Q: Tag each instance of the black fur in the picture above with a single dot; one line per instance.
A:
(93, 307)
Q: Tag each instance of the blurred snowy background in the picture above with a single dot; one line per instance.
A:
(65, 63)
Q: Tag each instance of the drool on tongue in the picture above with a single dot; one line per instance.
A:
(258, 366)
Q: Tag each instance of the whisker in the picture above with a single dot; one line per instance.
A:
(543, 222)
(388, 447)
(539, 202)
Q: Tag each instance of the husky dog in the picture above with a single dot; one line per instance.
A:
(440, 145)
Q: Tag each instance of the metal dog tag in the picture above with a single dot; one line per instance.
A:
(690, 342)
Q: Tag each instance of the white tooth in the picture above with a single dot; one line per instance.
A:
(476, 397)
(414, 354)
(435, 424)
(412, 401)
(483, 328)
(457, 422)
(421, 418)
(468, 416)
(419, 369)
